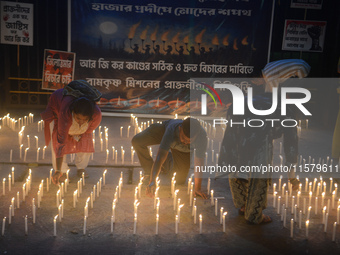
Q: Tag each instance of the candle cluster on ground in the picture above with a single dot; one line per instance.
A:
(303, 212)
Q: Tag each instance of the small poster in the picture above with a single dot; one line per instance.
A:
(16, 23)
(302, 35)
(306, 4)
(58, 69)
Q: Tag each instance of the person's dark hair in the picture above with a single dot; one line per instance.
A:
(83, 106)
(191, 127)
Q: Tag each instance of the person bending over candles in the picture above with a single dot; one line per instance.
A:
(178, 136)
(246, 146)
(69, 122)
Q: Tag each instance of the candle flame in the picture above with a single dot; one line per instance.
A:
(143, 34)
(235, 44)
(244, 40)
(198, 38)
(133, 30)
(215, 40)
(154, 33)
(224, 214)
(175, 39)
(164, 36)
(226, 40)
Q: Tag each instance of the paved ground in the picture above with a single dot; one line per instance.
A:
(239, 237)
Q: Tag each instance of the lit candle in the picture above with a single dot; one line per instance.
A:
(3, 226)
(278, 204)
(274, 188)
(157, 207)
(107, 156)
(338, 214)
(208, 185)
(121, 131)
(284, 218)
(318, 189)
(308, 213)
(314, 183)
(3, 186)
(291, 227)
(200, 223)
(9, 183)
(128, 131)
(13, 175)
(157, 220)
(224, 214)
(179, 210)
(123, 157)
(323, 199)
(310, 198)
(28, 141)
(330, 185)
(283, 190)
(195, 214)
(55, 225)
(326, 223)
(191, 196)
(221, 215)
(300, 219)
(316, 205)
(334, 231)
(74, 199)
(135, 224)
(307, 226)
(333, 197)
(26, 227)
(192, 211)
(18, 199)
(293, 199)
(25, 154)
(324, 215)
(280, 180)
(306, 185)
(212, 197)
(84, 227)
(216, 205)
(304, 205)
(10, 215)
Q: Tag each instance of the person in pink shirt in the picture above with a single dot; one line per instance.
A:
(69, 123)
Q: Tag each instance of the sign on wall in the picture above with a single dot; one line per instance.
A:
(58, 69)
(302, 35)
(16, 23)
(145, 57)
(306, 4)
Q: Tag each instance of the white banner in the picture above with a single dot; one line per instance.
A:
(303, 35)
(17, 23)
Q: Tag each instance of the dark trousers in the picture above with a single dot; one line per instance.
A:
(153, 136)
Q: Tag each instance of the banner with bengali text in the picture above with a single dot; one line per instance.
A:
(16, 23)
(146, 57)
(58, 70)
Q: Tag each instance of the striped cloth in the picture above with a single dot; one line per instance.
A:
(277, 72)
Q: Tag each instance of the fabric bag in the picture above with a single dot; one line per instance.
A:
(81, 88)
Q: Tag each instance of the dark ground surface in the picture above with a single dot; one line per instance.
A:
(240, 238)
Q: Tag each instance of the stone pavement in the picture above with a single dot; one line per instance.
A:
(239, 237)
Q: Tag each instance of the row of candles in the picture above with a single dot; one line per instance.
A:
(295, 205)
(17, 124)
(176, 203)
(89, 202)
